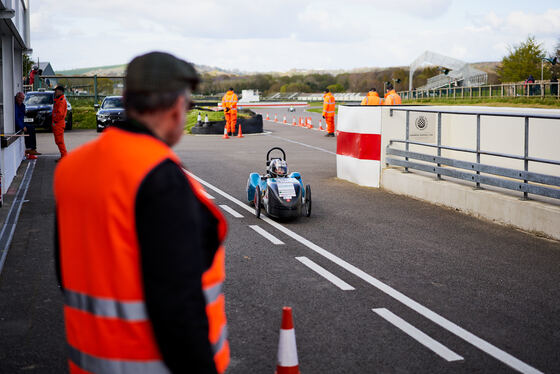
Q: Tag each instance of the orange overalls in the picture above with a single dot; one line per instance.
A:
(328, 111)
(229, 103)
(58, 124)
(372, 98)
(392, 98)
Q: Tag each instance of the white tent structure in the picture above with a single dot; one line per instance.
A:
(460, 72)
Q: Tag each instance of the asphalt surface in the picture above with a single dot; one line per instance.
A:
(402, 257)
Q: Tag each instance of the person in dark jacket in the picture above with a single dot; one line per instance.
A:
(142, 274)
(28, 128)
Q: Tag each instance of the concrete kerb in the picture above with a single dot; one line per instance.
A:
(536, 217)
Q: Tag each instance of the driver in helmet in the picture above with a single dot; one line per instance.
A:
(278, 168)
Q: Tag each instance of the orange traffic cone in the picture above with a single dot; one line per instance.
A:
(309, 123)
(240, 133)
(300, 121)
(275, 118)
(225, 133)
(267, 117)
(294, 123)
(321, 125)
(285, 122)
(287, 350)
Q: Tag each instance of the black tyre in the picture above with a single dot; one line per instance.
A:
(68, 126)
(257, 200)
(307, 206)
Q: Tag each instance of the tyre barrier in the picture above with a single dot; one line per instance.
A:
(253, 125)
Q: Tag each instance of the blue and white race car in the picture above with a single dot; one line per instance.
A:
(280, 194)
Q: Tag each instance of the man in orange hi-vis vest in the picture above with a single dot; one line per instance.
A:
(329, 111)
(392, 98)
(372, 98)
(142, 273)
(229, 104)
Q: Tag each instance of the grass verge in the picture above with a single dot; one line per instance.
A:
(192, 117)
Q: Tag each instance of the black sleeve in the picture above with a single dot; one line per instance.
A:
(169, 222)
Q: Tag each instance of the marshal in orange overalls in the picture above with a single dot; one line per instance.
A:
(60, 108)
(329, 111)
(229, 103)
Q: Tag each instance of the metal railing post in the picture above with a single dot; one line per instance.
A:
(407, 146)
(95, 87)
(526, 155)
(477, 148)
(439, 140)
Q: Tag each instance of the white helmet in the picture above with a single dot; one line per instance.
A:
(278, 168)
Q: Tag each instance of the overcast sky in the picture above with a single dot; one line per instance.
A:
(254, 35)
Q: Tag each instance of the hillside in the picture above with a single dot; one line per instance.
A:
(489, 67)
(117, 70)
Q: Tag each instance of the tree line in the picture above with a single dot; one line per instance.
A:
(521, 61)
(315, 82)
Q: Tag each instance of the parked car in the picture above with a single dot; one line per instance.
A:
(111, 112)
(38, 109)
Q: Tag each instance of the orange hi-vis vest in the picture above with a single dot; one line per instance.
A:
(230, 101)
(328, 105)
(372, 98)
(107, 326)
(392, 98)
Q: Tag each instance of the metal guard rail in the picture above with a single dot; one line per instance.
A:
(521, 186)
(548, 185)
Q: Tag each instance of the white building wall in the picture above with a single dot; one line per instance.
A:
(14, 39)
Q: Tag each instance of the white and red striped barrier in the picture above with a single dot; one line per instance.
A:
(358, 145)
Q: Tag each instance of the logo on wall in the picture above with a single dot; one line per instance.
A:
(421, 123)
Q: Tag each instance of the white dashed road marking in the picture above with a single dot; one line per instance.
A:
(326, 274)
(231, 211)
(267, 235)
(418, 335)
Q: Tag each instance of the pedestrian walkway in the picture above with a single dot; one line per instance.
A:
(31, 321)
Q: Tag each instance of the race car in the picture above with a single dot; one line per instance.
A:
(279, 194)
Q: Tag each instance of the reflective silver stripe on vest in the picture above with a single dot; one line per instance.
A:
(212, 294)
(108, 366)
(216, 347)
(102, 307)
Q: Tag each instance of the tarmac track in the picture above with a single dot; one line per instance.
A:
(404, 258)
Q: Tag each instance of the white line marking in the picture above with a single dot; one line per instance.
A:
(326, 274)
(469, 337)
(267, 235)
(209, 196)
(231, 211)
(303, 144)
(418, 335)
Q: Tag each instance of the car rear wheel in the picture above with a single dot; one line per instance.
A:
(258, 202)
(307, 206)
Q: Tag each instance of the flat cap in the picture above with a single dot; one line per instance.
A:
(159, 72)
